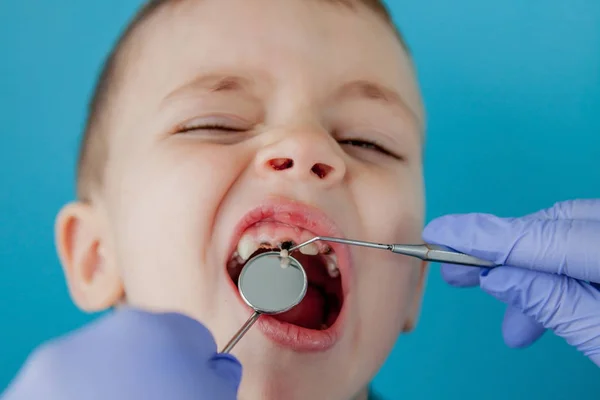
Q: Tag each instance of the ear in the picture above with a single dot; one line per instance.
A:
(94, 283)
(418, 297)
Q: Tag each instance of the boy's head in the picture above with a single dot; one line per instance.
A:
(222, 125)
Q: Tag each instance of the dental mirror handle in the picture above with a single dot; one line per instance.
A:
(239, 334)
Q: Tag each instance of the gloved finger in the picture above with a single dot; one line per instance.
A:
(227, 367)
(566, 247)
(165, 329)
(584, 209)
(568, 307)
(460, 276)
(520, 330)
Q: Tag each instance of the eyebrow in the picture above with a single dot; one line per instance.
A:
(363, 89)
(213, 83)
(360, 89)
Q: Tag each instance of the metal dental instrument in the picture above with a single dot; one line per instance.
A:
(273, 282)
(426, 252)
(270, 284)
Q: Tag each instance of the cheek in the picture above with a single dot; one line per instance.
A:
(163, 207)
(387, 292)
(391, 206)
(392, 211)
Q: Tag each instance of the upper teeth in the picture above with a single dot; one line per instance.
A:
(249, 244)
(246, 247)
(310, 249)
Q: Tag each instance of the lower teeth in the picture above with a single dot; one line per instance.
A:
(332, 269)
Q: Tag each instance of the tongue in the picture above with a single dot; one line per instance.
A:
(309, 313)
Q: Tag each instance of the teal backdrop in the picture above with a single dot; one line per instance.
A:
(512, 90)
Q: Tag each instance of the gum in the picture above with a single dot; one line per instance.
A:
(275, 233)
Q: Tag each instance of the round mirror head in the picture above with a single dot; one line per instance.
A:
(272, 284)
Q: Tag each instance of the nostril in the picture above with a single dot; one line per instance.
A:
(279, 164)
(321, 170)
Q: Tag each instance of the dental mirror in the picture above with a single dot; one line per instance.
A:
(270, 283)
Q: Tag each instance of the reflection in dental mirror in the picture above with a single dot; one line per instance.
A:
(270, 283)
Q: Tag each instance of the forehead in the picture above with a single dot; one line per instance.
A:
(313, 47)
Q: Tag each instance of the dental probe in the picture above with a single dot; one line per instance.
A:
(426, 252)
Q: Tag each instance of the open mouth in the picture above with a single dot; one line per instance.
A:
(322, 304)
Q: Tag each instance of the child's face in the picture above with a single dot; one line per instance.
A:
(274, 84)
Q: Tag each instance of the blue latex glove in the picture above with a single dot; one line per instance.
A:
(130, 355)
(557, 252)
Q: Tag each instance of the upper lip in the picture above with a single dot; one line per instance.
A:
(303, 216)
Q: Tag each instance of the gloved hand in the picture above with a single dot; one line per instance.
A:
(130, 355)
(557, 252)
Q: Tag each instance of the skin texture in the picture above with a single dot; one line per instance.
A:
(157, 236)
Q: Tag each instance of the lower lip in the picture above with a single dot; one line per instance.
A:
(295, 337)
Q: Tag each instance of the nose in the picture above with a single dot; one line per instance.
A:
(302, 156)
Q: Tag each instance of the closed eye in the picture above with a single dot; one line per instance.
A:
(209, 127)
(369, 146)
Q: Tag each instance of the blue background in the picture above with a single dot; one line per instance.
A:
(512, 89)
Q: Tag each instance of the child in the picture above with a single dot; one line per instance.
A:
(220, 128)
